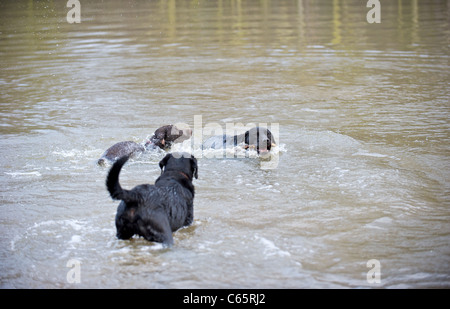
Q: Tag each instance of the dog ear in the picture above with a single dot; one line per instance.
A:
(163, 162)
(247, 138)
(271, 138)
(194, 167)
(251, 138)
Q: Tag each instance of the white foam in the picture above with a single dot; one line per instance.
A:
(368, 154)
(75, 239)
(185, 146)
(24, 174)
(153, 247)
(65, 153)
(382, 223)
(270, 249)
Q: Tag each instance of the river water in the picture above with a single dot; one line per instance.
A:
(360, 113)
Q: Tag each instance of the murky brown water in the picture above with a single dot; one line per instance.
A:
(361, 170)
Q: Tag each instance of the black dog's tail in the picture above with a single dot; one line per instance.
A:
(113, 185)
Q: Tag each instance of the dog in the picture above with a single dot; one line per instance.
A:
(163, 138)
(155, 211)
(257, 138)
(128, 148)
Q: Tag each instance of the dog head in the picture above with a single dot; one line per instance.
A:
(259, 138)
(166, 135)
(184, 163)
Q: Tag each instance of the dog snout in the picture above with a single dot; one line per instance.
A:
(265, 146)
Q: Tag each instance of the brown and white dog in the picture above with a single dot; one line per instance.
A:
(163, 138)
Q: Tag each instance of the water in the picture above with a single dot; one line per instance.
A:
(362, 161)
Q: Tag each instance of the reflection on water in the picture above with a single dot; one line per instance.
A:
(362, 111)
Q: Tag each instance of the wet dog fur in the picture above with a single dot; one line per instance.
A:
(155, 211)
(163, 138)
(257, 138)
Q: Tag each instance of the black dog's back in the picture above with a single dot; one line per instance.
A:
(155, 211)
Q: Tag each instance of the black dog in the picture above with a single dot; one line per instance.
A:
(155, 211)
(259, 138)
(163, 138)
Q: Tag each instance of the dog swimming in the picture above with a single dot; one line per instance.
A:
(156, 211)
